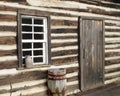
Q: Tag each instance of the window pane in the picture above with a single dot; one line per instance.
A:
(25, 53)
(38, 52)
(38, 59)
(27, 36)
(26, 45)
(38, 45)
(26, 20)
(38, 29)
(27, 28)
(38, 36)
(38, 21)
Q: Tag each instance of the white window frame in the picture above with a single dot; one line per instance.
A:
(44, 41)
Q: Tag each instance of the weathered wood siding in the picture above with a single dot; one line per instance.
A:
(64, 33)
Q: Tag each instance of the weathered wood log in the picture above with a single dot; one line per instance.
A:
(7, 40)
(64, 52)
(64, 60)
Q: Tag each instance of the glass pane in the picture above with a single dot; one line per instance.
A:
(38, 45)
(27, 28)
(38, 36)
(25, 53)
(38, 59)
(26, 45)
(38, 52)
(38, 29)
(26, 20)
(38, 21)
(26, 36)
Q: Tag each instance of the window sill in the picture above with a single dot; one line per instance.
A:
(42, 66)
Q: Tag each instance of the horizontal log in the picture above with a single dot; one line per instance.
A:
(7, 34)
(7, 47)
(112, 50)
(9, 13)
(64, 22)
(30, 91)
(110, 67)
(7, 40)
(8, 53)
(112, 80)
(56, 46)
(112, 75)
(8, 63)
(112, 34)
(112, 40)
(69, 18)
(112, 62)
(112, 54)
(6, 23)
(22, 85)
(112, 27)
(112, 70)
(24, 76)
(112, 30)
(4, 8)
(64, 56)
(62, 53)
(71, 75)
(7, 18)
(112, 46)
(72, 83)
(64, 48)
(112, 22)
(63, 41)
(62, 11)
(61, 31)
(15, 0)
(64, 37)
(112, 58)
(73, 69)
(105, 3)
(63, 27)
(67, 4)
(8, 58)
(8, 28)
(63, 34)
(64, 60)
(102, 12)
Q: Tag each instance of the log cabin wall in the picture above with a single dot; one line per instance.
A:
(64, 48)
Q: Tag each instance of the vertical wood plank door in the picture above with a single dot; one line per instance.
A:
(91, 53)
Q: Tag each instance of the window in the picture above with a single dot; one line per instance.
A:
(33, 39)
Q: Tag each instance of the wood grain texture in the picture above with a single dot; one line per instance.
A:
(7, 40)
(9, 64)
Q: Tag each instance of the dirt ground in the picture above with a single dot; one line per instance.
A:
(109, 91)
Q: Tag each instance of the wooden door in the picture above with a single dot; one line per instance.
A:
(91, 53)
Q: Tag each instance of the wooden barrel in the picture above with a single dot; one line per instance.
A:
(57, 81)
